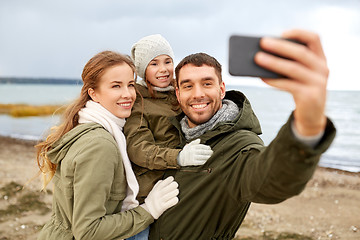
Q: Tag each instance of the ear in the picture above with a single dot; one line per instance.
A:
(92, 94)
(222, 89)
(177, 94)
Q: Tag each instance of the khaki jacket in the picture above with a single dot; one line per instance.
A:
(151, 138)
(214, 198)
(89, 187)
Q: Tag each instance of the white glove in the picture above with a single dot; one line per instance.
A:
(162, 197)
(194, 154)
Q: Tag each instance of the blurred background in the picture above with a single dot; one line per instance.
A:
(42, 38)
(52, 40)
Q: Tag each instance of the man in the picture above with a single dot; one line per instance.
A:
(215, 197)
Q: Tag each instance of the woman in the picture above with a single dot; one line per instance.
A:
(95, 187)
(151, 137)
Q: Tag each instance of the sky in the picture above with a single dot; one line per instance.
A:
(55, 38)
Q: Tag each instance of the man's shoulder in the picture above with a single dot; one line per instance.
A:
(235, 95)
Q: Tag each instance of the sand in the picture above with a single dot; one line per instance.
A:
(328, 208)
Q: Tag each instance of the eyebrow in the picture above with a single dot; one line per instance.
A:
(116, 81)
(184, 81)
(121, 81)
(203, 79)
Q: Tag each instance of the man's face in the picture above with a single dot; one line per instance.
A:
(199, 93)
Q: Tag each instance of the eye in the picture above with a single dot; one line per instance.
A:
(153, 64)
(187, 86)
(116, 86)
(131, 85)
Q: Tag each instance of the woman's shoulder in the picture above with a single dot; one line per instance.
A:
(97, 135)
(96, 144)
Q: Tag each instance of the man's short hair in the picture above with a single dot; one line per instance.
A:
(199, 59)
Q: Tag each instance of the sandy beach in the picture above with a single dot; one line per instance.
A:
(328, 208)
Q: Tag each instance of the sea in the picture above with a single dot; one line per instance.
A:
(271, 106)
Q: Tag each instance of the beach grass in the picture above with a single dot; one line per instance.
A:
(24, 110)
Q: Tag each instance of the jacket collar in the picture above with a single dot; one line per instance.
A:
(245, 120)
(159, 95)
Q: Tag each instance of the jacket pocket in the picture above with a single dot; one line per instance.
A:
(191, 170)
(117, 196)
(118, 191)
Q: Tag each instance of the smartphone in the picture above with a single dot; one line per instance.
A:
(242, 50)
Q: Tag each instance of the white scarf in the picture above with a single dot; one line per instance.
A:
(94, 112)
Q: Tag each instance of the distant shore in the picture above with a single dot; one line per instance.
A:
(20, 80)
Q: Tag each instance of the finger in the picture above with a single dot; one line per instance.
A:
(283, 84)
(170, 187)
(288, 68)
(202, 147)
(296, 52)
(205, 152)
(167, 181)
(172, 202)
(200, 162)
(200, 159)
(196, 141)
(172, 194)
(157, 184)
(312, 40)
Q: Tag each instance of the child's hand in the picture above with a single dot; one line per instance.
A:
(194, 154)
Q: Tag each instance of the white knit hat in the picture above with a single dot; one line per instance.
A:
(148, 48)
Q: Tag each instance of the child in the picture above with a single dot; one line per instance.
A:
(94, 185)
(152, 139)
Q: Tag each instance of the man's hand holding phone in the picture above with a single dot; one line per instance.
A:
(305, 74)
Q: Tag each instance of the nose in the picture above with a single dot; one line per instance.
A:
(162, 68)
(198, 91)
(126, 93)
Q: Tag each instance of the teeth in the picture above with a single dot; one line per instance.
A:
(125, 104)
(198, 106)
(161, 78)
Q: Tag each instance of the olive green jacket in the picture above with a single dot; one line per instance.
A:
(89, 187)
(151, 138)
(214, 198)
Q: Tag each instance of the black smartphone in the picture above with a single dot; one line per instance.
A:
(242, 50)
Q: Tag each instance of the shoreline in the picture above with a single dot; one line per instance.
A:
(33, 142)
(327, 208)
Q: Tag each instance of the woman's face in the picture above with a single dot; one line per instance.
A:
(116, 90)
(160, 71)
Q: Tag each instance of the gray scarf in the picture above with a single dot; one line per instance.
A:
(227, 112)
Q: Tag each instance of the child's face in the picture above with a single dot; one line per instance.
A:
(160, 71)
(116, 90)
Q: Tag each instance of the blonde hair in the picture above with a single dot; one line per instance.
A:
(91, 76)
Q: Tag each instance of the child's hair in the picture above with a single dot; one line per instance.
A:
(91, 76)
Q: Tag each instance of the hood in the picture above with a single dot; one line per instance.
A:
(60, 148)
(246, 118)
